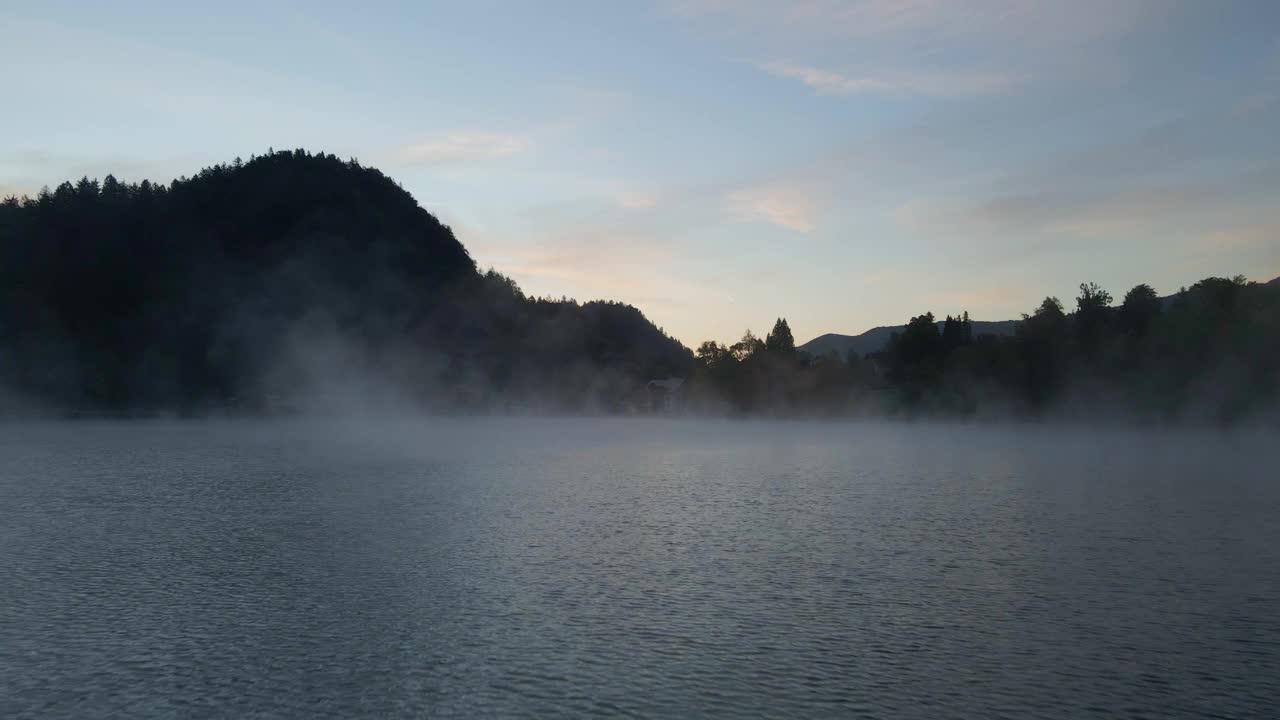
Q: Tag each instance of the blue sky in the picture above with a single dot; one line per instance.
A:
(718, 163)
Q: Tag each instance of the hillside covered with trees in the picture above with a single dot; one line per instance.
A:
(1208, 354)
(298, 279)
(290, 276)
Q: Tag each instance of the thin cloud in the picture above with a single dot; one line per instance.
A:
(1220, 251)
(460, 147)
(26, 171)
(824, 81)
(1042, 220)
(8, 190)
(983, 300)
(945, 84)
(592, 261)
(1078, 212)
(1023, 21)
(1240, 236)
(792, 206)
(1255, 103)
(636, 200)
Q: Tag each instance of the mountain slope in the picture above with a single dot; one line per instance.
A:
(291, 271)
(876, 339)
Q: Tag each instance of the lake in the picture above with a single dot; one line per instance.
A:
(559, 568)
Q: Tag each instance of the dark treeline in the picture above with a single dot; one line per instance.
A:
(290, 277)
(299, 278)
(1210, 353)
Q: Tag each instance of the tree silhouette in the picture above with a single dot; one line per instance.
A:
(1092, 313)
(779, 339)
(1140, 307)
(747, 347)
(957, 332)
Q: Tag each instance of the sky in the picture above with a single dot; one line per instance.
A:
(716, 163)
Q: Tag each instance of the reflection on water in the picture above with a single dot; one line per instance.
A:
(552, 568)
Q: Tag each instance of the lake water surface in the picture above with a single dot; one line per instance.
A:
(560, 568)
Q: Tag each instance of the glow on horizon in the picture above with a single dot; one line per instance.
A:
(843, 164)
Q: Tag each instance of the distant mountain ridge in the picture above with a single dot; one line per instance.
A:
(877, 338)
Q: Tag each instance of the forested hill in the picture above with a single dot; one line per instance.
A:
(877, 339)
(1210, 353)
(287, 276)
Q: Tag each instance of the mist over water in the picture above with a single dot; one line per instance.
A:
(560, 567)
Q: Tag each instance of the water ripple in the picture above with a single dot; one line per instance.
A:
(586, 568)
